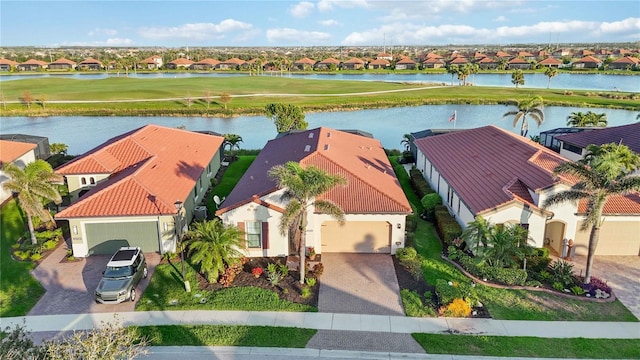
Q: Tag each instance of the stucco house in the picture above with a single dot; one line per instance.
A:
(550, 61)
(90, 64)
(379, 64)
(303, 64)
(353, 64)
(506, 178)
(152, 63)
(624, 63)
(7, 65)
(32, 65)
(205, 64)
(231, 64)
(179, 63)
(123, 191)
(405, 63)
(573, 146)
(62, 64)
(374, 204)
(19, 153)
(587, 62)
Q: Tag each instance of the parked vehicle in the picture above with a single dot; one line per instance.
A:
(123, 273)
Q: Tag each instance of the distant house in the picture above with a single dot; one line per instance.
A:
(526, 55)
(518, 63)
(7, 65)
(627, 62)
(179, 63)
(247, 64)
(123, 192)
(32, 65)
(459, 60)
(231, 64)
(152, 63)
(585, 52)
(379, 64)
(603, 54)
(433, 63)
(384, 56)
(303, 64)
(487, 63)
(405, 63)
(478, 55)
(374, 204)
(62, 64)
(90, 64)
(19, 153)
(558, 53)
(327, 64)
(550, 62)
(587, 62)
(475, 176)
(205, 64)
(353, 64)
(573, 146)
(504, 55)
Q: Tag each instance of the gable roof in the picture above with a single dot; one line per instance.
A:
(380, 61)
(517, 60)
(372, 184)
(489, 167)
(63, 61)
(305, 61)
(550, 61)
(354, 60)
(588, 59)
(12, 150)
(181, 61)
(405, 60)
(233, 61)
(207, 61)
(34, 62)
(150, 167)
(4, 61)
(627, 60)
(626, 134)
(90, 61)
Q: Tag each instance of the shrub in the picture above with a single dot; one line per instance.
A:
(448, 291)
(577, 290)
(457, 308)
(429, 202)
(411, 223)
(558, 286)
(596, 284)
(562, 272)
(509, 276)
(169, 256)
(537, 263)
(257, 271)
(317, 270)
(419, 184)
(305, 292)
(500, 275)
(534, 283)
(447, 226)
(454, 253)
(22, 254)
(407, 253)
(413, 305)
(284, 270)
(311, 281)
(229, 274)
(273, 273)
(541, 252)
(414, 266)
(36, 257)
(49, 244)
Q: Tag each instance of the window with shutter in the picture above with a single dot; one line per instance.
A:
(253, 230)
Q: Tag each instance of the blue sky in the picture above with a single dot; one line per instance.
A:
(315, 23)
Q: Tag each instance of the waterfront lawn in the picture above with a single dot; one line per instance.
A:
(505, 304)
(526, 346)
(224, 335)
(19, 291)
(230, 178)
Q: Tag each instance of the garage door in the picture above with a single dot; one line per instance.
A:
(356, 237)
(616, 238)
(108, 237)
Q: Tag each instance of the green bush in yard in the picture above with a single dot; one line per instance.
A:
(429, 202)
(414, 266)
(419, 184)
(500, 275)
(413, 305)
(407, 253)
(448, 291)
(411, 223)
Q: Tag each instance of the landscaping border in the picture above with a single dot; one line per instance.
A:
(611, 298)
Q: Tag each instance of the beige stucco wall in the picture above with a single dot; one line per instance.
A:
(74, 183)
(20, 162)
(619, 235)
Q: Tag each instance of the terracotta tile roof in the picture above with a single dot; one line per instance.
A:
(150, 168)
(459, 60)
(234, 61)
(372, 185)
(181, 61)
(433, 56)
(383, 55)
(207, 61)
(380, 62)
(517, 60)
(305, 61)
(63, 61)
(354, 61)
(586, 52)
(405, 60)
(486, 60)
(525, 54)
(488, 167)
(627, 60)
(12, 150)
(479, 55)
(90, 61)
(330, 61)
(34, 62)
(8, 62)
(151, 59)
(588, 59)
(627, 134)
(550, 61)
(617, 205)
(502, 54)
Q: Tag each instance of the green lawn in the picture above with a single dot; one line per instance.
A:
(272, 89)
(19, 291)
(509, 346)
(166, 292)
(225, 335)
(504, 304)
(230, 178)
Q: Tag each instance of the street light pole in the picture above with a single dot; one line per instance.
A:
(178, 225)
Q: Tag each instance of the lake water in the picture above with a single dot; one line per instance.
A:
(596, 82)
(387, 125)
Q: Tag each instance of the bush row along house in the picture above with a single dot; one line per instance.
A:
(585, 59)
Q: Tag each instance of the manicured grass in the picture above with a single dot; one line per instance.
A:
(166, 287)
(526, 346)
(230, 178)
(272, 89)
(225, 335)
(19, 291)
(505, 304)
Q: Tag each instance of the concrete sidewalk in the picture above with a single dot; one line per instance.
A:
(334, 321)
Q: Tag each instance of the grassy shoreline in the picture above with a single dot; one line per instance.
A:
(249, 95)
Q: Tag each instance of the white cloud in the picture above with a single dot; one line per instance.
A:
(329, 22)
(328, 5)
(288, 36)
(108, 42)
(628, 24)
(500, 19)
(197, 31)
(421, 10)
(99, 31)
(301, 9)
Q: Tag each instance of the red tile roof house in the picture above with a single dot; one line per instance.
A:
(487, 63)
(379, 64)
(123, 192)
(518, 63)
(374, 204)
(405, 64)
(327, 63)
(32, 65)
(180, 63)
(303, 64)
(587, 62)
(474, 175)
(573, 146)
(205, 64)
(152, 62)
(433, 63)
(62, 64)
(550, 62)
(19, 153)
(231, 64)
(627, 62)
(90, 64)
(7, 65)
(353, 64)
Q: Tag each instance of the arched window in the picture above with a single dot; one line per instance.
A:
(83, 181)
(92, 181)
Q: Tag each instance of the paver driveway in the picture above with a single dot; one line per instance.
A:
(359, 284)
(70, 285)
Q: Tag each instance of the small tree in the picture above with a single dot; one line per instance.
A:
(27, 98)
(43, 100)
(207, 98)
(58, 148)
(225, 98)
(550, 72)
(233, 142)
(430, 201)
(517, 78)
(188, 100)
(286, 117)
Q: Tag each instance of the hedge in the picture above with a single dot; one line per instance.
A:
(500, 275)
(419, 184)
(446, 225)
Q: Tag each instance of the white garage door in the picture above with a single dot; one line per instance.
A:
(356, 237)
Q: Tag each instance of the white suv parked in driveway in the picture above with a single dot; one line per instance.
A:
(123, 273)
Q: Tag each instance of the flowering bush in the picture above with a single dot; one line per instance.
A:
(457, 308)
(257, 271)
(596, 284)
(312, 251)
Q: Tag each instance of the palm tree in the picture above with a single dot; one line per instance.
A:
(33, 185)
(507, 246)
(233, 142)
(477, 234)
(604, 172)
(453, 69)
(550, 72)
(302, 187)
(214, 246)
(406, 141)
(588, 119)
(517, 78)
(531, 107)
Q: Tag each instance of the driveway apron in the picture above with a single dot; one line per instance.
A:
(70, 285)
(359, 284)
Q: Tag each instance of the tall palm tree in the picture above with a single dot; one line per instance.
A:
(588, 119)
(33, 185)
(302, 187)
(477, 234)
(453, 70)
(604, 172)
(214, 246)
(550, 72)
(517, 78)
(531, 107)
(233, 142)
(507, 246)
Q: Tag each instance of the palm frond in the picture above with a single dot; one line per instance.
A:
(329, 208)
